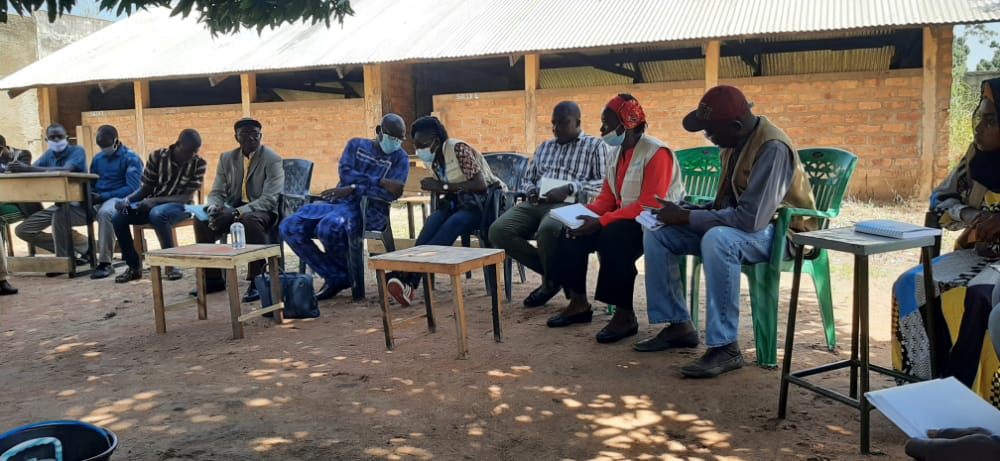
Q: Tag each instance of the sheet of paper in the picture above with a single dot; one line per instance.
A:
(547, 184)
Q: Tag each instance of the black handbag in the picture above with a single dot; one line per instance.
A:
(296, 292)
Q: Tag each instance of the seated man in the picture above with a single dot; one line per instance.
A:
(572, 157)
(761, 172)
(5, 287)
(59, 157)
(247, 183)
(14, 212)
(119, 172)
(172, 176)
(376, 168)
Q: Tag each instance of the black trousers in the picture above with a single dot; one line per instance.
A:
(257, 225)
(618, 246)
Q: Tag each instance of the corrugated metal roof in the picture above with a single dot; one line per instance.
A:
(153, 45)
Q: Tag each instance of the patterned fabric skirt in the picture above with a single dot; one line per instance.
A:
(968, 287)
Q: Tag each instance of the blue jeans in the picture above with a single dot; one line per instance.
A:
(162, 218)
(442, 228)
(723, 250)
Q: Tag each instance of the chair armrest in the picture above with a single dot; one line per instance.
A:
(789, 212)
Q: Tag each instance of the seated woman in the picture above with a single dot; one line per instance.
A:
(966, 278)
(462, 175)
(641, 168)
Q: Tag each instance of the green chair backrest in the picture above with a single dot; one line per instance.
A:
(701, 168)
(829, 170)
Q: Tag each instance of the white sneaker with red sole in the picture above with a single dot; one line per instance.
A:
(401, 292)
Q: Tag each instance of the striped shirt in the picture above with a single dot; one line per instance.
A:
(583, 161)
(166, 178)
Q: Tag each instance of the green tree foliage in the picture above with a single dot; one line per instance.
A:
(964, 98)
(221, 16)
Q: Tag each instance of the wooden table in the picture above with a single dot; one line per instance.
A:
(433, 259)
(51, 186)
(861, 246)
(203, 256)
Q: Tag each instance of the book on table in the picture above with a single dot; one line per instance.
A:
(936, 404)
(547, 184)
(568, 215)
(895, 229)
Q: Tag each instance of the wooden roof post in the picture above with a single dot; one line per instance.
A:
(532, 71)
(48, 106)
(248, 92)
(928, 131)
(141, 102)
(376, 93)
(712, 56)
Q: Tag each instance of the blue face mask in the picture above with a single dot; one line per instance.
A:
(614, 139)
(389, 144)
(425, 154)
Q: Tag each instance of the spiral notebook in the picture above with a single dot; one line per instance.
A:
(567, 215)
(895, 229)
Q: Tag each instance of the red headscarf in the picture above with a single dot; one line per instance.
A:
(628, 111)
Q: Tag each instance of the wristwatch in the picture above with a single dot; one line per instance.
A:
(444, 186)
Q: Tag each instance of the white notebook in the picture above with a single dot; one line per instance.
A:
(567, 215)
(648, 220)
(895, 229)
(547, 184)
(936, 404)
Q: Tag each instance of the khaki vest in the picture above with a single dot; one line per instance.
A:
(644, 151)
(453, 169)
(799, 193)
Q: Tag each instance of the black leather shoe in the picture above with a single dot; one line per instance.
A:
(129, 275)
(251, 295)
(611, 335)
(672, 337)
(560, 320)
(173, 273)
(716, 361)
(104, 270)
(7, 289)
(211, 287)
(540, 296)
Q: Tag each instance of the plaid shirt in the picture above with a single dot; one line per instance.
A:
(166, 178)
(583, 161)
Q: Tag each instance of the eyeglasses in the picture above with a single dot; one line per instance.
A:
(56, 137)
(393, 138)
(249, 134)
(988, 120)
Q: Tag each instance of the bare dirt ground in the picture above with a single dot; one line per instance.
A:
(326, 389)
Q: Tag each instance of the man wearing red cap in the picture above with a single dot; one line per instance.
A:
(641, 169)
(761, 172)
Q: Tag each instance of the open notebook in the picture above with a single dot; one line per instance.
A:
(936, 404)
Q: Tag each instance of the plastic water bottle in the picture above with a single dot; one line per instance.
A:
(239, 235)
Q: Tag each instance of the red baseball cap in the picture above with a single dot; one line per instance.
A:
(720, 104)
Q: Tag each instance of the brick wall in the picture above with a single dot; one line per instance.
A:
(875, 115)
(314, 130)
(489, 122)
(122, 120)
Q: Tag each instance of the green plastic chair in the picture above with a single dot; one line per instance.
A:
(829, 172)
(701, 168)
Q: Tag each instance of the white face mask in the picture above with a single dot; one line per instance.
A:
(58, 146)
(425, 154)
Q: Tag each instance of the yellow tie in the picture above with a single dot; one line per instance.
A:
(246, 176)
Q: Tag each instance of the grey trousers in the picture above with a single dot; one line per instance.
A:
(524, 222)
(31, 230)
(106, 231)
